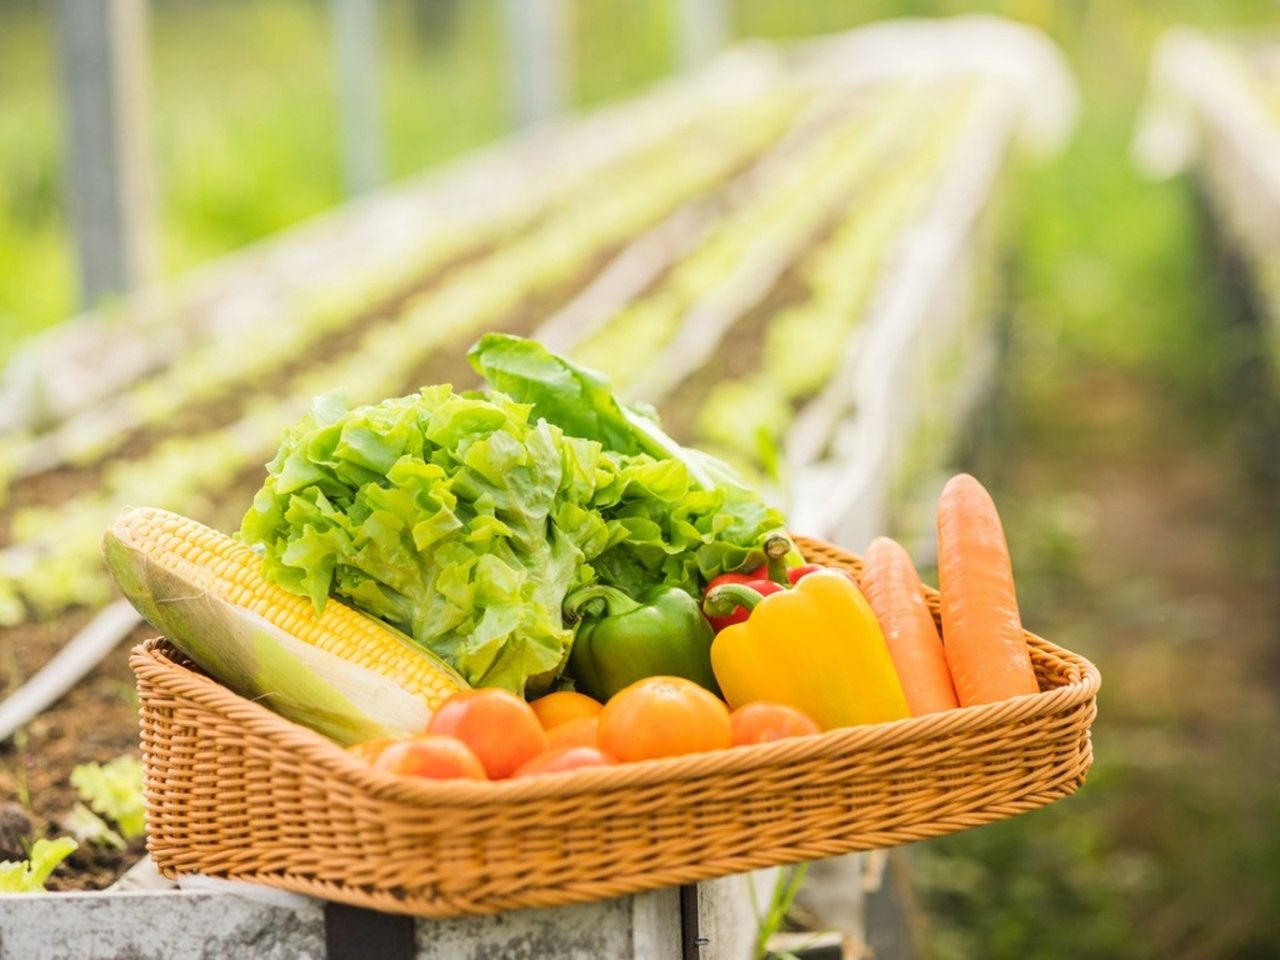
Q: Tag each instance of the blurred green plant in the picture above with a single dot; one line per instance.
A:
(37, 282)
(29, 876)
(114, 791)
(771, 917)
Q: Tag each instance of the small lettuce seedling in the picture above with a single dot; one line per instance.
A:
(87, 827)
(115, 792)
(29, 876)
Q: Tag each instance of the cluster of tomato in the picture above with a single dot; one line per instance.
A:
(491, 734)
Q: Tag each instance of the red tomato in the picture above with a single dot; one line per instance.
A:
(763, 722)
(563, 706)
(565, 759)
(663, 717)
(583, 732)
(759, 573)
(795, 574)
(430, 755)
(500, 728)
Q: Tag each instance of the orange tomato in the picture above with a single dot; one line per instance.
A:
(663, 717)
(370, 749)
(763, 722)
(430, 755)
(500, 728)
(564, 759)
(583, 732)
(562, 706)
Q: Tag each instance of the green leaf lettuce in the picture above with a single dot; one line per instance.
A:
(29, 876)
(465, 519)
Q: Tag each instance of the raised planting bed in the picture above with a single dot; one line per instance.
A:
(1213, 110)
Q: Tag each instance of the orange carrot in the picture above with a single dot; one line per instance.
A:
(981, 627)
(892, 587)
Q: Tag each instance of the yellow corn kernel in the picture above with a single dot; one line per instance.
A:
(226, 568)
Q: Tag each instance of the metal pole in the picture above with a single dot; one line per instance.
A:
(355, 28)
(702, 27)
(102, 48)
(537, 53)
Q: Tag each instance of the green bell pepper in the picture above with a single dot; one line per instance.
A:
(662, 634)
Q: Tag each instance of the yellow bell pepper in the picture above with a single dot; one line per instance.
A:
(817, 647)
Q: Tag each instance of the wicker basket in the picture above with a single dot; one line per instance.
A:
(234, 790)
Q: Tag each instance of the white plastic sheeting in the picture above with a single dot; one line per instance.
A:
(1018, 59)
(1208, 112)
(846, 444)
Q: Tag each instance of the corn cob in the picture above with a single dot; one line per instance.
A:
(340, 671)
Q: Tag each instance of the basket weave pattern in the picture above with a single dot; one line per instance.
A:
(234, 790)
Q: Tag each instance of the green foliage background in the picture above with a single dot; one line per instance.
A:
(245, 142)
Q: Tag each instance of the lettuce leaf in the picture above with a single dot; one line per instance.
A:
(450, 516)
(465, 519)
(578, 400)
(581, 402)
(689, 516)
(29, 876)
(114, 791)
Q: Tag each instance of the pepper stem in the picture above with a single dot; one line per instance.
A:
(615, 601)
(727, 597)
(776, 548)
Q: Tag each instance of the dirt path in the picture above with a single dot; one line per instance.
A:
(1143, 539)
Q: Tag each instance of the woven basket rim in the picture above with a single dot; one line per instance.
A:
(155, 660)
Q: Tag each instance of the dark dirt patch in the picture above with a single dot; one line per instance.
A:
(96, 721)
(741, 354)
(25, 648)
(16, 830)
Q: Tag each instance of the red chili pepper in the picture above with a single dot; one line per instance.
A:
(761, 585)
(795, 574)
(759, 573)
